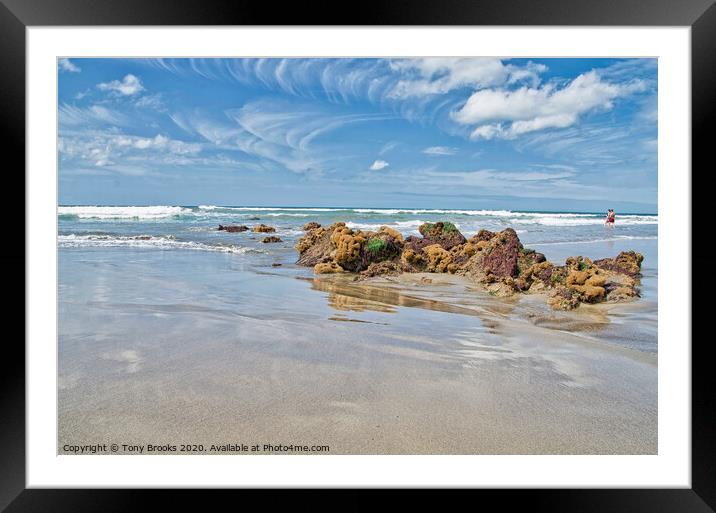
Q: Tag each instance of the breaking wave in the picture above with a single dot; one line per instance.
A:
(553, 220)
(212, 211)
(146, 241)
(154, 212)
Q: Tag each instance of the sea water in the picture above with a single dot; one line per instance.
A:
(111, 231)
(195, 227)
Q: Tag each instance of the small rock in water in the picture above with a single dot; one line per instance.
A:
(262, 228)
(311, 226)
(233, 228)
(271, 238)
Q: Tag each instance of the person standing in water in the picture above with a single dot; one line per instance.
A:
(610, 218)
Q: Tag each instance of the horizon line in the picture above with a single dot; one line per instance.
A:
(286, 207)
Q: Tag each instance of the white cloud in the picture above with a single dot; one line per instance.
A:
(529, 73)
(436, 151)
(159, 142)
(487, 132)
(530, 109)
(128, 86)
(440, 75)
(66, 65)
(378, 165)
(104, 149)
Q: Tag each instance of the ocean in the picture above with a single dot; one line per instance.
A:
(195, 227)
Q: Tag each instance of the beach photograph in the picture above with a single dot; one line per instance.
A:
(357, 256)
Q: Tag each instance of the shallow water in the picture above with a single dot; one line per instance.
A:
(184, 344)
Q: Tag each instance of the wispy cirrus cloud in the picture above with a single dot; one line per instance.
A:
(151, 101)
(71, 115)
(280, 133)
(604, 144)
(494, 97)
(532, 182)
(388, 147)
(439, 151)
(415, 88)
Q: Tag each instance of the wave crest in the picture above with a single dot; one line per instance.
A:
(96, 212)
(148, 242)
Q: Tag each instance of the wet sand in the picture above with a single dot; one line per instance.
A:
(223, 353)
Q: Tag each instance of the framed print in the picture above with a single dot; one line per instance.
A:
(409, 249)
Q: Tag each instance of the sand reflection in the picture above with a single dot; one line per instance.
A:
(354, 296)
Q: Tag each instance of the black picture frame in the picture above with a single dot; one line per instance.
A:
(17, 15)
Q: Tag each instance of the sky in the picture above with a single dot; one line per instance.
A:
(438, 132)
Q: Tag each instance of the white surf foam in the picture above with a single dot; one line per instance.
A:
(271, 209)
(365, 226)
(146, 241)
(550, 220)
(96, 212)
(592, 241)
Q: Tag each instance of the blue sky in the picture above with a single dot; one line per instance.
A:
(520, 134)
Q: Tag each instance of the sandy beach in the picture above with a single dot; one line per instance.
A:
(228, 352)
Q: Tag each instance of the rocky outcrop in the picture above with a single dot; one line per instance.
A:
(387, 244)
(352, 250)
(315, 246)
(501, 254)
(584, 281)
(536, 277)
(311, 226)
(233, 228)
(347, 246)
(496, 260)
(270, 239)
(438, 259)
(385, 268)
(415, 261)
(262, 228)
(327, 268)
(446, 235)
(626, 262)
